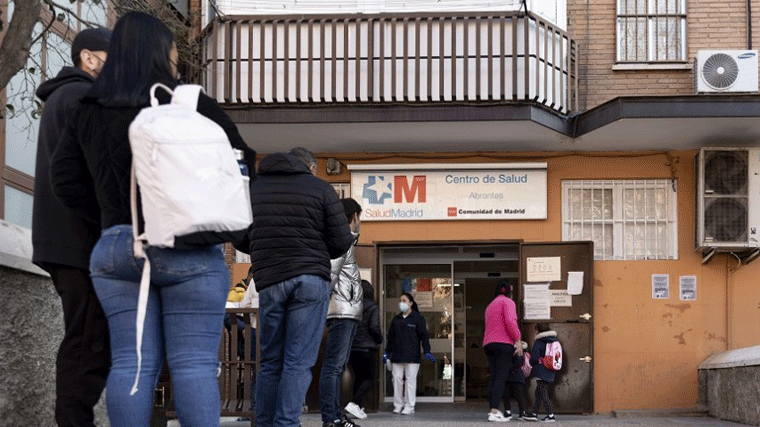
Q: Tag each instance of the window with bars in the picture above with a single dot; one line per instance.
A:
(626, 219)
(651, 30)
(342, 188)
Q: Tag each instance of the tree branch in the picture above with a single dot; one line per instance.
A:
(17, 40)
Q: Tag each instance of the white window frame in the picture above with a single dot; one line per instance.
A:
(663, 250)
(653, 18)
(342, 188)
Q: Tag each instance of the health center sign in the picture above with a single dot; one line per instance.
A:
(418, 192)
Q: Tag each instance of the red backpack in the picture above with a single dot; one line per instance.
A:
(552, 359)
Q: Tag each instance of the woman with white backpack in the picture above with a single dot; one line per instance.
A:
(185, 298)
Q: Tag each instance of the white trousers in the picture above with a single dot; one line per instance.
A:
(404, 397)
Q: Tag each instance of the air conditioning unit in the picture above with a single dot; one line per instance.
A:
(726, 71)
(728, 199)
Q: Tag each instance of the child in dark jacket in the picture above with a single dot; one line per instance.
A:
(516, 383)
(544, 377)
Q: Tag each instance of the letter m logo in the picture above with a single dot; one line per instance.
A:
(405, 192)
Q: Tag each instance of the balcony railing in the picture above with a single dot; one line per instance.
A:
(390, 58)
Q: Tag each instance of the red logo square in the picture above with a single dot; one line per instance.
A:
(452, 211)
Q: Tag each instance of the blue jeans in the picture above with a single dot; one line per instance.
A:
(340, 336)
(292, 318)
(183, 323)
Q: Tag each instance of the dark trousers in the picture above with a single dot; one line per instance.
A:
(83, 357)
(364, 366)
(514, 389)
(542, 396)
(500, 364)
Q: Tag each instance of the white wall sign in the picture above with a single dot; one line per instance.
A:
(660, 286)
(560, 298)
(419, 192)
(544, 269)
(536, 302)
(688, 288)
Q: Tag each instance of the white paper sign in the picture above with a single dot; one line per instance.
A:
(544, 269)
(560, 298)
(536, 292)
(574, 282)
(660, 286)
(537, 309)
(688, 288)
(536, 301)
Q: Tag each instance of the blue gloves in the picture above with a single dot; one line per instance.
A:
(429, 356)
(385, 359)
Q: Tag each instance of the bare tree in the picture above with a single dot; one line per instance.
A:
(17, 38)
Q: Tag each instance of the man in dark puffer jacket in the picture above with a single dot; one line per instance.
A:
(298, 226)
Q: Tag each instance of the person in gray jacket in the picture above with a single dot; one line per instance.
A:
(343, 316)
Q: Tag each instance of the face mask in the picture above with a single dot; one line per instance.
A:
(402, 306)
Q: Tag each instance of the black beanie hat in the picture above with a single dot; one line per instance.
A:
(93, 39)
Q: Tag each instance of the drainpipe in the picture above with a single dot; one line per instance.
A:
(749, 24)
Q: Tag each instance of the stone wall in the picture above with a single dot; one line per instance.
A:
(30, 333)
(729, 385)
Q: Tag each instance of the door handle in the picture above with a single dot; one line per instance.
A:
(585, 316)
(586, 359)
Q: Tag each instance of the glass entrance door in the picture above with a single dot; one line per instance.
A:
(431, 287)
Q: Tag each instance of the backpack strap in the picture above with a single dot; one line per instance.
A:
(187, 95)
(139, 249)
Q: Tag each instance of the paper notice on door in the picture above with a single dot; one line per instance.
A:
(688, 288)
(660, 286)
(536, 310)
(536, 302)
(536, 292)
(560, 298)
(424, 300)
(574, 282)
(544, 269)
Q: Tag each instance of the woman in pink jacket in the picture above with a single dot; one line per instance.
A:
(501, 334)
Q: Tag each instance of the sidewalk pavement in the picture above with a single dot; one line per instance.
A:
(459, 414)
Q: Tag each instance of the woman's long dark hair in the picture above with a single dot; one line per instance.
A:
(411, 299)
(503, 287)
(138, 56)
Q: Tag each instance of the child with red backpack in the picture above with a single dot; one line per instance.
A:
(546, 359)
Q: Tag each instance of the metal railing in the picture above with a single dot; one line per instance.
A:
(390, 58)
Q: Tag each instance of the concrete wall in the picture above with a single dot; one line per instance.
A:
(30, 333)
(729, 385)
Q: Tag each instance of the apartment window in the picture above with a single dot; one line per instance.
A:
(626, 219)
(651, 30)
(342, 188)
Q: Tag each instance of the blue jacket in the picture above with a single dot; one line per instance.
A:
(539, 351)
(405, 336)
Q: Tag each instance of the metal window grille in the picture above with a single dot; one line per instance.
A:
(651, 30)
(342, 188)
(626, 219)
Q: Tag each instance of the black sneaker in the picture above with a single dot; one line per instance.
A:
(508, 414)
(548, 419)
(347, 422)
(531, 417)
(523, 416)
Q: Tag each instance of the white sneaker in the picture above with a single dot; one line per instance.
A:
(354, 409)
(397, 410)
(408, 410)
(498, 417)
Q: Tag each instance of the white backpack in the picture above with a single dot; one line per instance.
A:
(191, 189)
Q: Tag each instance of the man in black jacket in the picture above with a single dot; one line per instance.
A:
(298, 226)
(63, 242)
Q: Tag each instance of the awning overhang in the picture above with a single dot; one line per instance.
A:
(622, 124)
